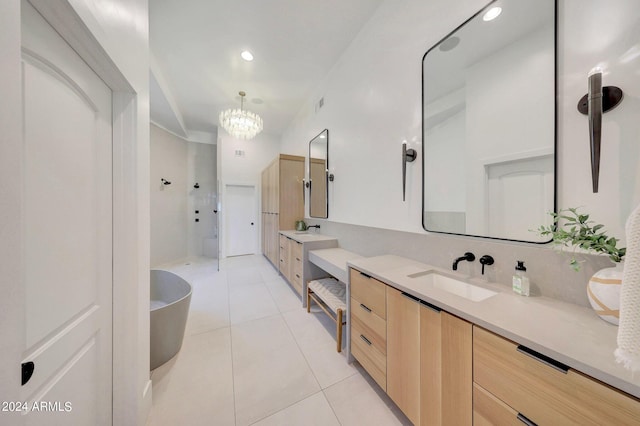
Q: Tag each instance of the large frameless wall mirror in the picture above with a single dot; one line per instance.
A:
(489, 133)
(319, 175)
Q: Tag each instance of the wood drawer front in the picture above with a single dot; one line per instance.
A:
(283, 242)
(296, 250)
(296, 279)
(372, 326)
(490, 411)
(369, 357)
(296, 267)
(370, 292)
(544, 394)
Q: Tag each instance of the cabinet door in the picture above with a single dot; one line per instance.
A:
(291, 205)
(430, 366)
(403, 352)
(457, 372)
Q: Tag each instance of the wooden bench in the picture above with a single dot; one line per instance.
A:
(330, 295)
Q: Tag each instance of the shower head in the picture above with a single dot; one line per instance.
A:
(164, 181)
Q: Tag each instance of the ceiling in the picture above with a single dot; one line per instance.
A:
(196, 69)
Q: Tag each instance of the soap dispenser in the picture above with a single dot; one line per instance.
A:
(520, 279)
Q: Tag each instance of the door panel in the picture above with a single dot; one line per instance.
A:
(241, 220)
(68, 232)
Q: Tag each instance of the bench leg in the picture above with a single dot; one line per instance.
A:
(308, 300)
(339, 330)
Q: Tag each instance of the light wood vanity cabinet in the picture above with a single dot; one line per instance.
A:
(511, 380)
(291, 261)
(282, 200)
(421, 356)
(403, 352)
(369, 325)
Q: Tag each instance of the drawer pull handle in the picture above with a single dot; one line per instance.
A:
(298, 259)
(365, 275)
(525, 420)
(367, 341)
(544, 359)
(410, 296)
(430, 306)
(297, 275)
(366, 308)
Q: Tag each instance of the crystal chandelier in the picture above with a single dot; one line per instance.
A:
(239, 123)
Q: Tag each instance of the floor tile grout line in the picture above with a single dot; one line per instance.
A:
(297, 402)
(233, 377)
(333, 410)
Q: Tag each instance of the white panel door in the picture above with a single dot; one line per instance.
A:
(240, 217)
(68, 231)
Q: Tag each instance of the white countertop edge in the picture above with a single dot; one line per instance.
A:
(334, 261)
(306, 237)
(594, 360)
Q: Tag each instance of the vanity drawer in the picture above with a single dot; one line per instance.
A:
(296, 267)
(546, 394)
(374, 328)
(296, 250)
(374, 361)
(296, 280)
(369, 291)
(283, 242)
(489, 410)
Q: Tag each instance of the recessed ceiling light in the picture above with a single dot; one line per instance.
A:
(449, 43)
(246, 55)
(492, 14)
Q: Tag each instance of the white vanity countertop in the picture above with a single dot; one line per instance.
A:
(571, 334)
(334, 261)
(305, 237)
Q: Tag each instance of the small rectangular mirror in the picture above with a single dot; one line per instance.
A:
(319, 175)
(489, 105)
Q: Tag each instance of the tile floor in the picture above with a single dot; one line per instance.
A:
(253, 356)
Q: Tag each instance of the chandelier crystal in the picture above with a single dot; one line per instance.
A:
(239, 123)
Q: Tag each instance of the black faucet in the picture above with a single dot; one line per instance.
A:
(486, 260)
(468, 256)
(313, 226)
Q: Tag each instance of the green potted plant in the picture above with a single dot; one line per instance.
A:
(571, 228)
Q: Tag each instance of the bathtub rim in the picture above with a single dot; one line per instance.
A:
(175, 301)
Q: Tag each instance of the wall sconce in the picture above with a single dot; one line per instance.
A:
(164, 181)
(408, 156)
(197, 185)
(597, 101)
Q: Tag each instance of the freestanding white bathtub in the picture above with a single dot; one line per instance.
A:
(170, 299)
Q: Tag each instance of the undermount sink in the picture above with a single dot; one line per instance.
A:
(453, 286)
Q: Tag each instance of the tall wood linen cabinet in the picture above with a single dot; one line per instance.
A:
(282, 201)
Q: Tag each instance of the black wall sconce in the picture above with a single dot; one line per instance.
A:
(164, 181)
(596, 102)
(408, 156)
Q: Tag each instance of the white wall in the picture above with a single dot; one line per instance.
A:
(201, 168)
(121, 28)
(372, 102)
(245, 169)
(168, 202)
(584, 43)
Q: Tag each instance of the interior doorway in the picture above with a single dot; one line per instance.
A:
(240, 218)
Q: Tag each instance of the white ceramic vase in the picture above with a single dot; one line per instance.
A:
(603, 291)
